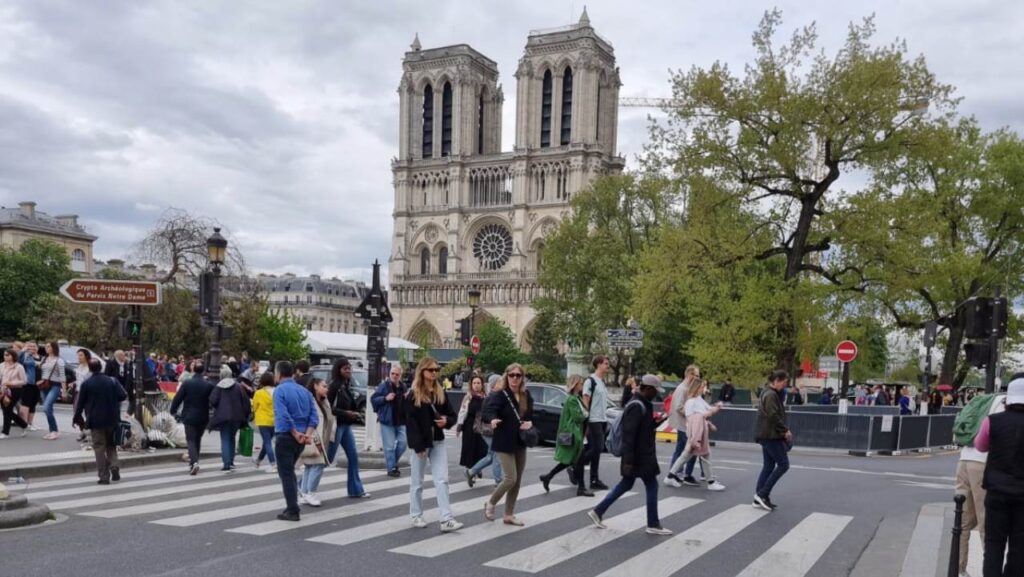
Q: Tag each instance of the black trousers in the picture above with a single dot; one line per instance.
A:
(1004, 528)
(595, 446)
(11, 415)
(577, 471)
(194, 437)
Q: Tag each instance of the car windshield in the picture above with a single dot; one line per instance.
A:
(359, 378)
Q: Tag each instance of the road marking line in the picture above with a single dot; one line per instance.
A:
(673, 554)
(185, 483)
(442, 544)
(798, 551)
(921, 560)
(552, 552)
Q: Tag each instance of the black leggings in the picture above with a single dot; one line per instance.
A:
(577, 471)
(30, 397)
(10, 412)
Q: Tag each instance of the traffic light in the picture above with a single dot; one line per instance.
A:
(130, 328)
(469, 361)
(464, 331)
(977, 354)
(980, 317)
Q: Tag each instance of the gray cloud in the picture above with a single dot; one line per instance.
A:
(280, 119)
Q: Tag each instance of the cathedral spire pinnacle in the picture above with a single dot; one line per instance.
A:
(416, 46)
(584, 19)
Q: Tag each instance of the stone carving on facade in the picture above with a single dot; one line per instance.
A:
(414, 224)
(548, 228)
(512, 217)
(533, 217)
(431, 234)
(447, 223)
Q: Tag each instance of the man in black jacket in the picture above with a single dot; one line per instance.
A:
(639, 456)
(100, 398)
(194, 395)
(774, 437)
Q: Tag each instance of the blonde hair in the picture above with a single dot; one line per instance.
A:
(691, 371)
(572, 382)
(420, 391)
(502, 385)
(696, 387)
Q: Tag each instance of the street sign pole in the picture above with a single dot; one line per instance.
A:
(140, 364)
(845, 383)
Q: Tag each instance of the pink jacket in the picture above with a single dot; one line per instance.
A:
(698, 432)
(12, 375)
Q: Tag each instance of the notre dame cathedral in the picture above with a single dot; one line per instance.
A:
(468, 215)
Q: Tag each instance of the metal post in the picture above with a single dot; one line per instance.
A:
(993, 347)
(213, 367)
(845, 383)
(140, 367)
(954, 548)
(927, 372)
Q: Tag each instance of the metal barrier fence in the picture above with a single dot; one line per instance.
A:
(850, 410)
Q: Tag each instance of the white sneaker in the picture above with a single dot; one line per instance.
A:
(715, 486)
(256, 462)
(596, 519)
(659, 531)
(271, 469)
(450, 525)
(32, 428)
(2, 436)
(670, 482)
(418, 522)
(313, 499)
(302, 499)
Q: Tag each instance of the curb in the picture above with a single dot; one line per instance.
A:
(127, 461)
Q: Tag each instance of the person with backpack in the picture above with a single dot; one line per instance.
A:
(231, 409)
(774, 436)
(387, 403)
(698, 433)
(633, 438)
(569, 439)
(595, 399)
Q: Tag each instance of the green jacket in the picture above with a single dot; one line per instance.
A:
(572, 421)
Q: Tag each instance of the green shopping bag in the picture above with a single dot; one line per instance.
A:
(245, 442)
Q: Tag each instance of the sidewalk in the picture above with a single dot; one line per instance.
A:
(32, 457)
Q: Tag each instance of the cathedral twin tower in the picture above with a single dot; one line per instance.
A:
(469, 216)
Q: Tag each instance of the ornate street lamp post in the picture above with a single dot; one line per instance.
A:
(216, 251)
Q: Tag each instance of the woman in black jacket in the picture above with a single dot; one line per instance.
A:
(473, 446)
(509, 409)
(343, 405)
(427, 415)
(231, 409)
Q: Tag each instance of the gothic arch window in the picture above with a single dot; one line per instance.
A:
(566, 107)
(597, 123)
(428, 122)
(492, 246)
(78, 260)
(442, 260)
(446, 120)
(545, 110)
(425, 261)
(540, 255)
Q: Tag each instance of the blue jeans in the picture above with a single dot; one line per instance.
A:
(311, 478)
(227, 443)
(347, 440)
(489, 459)
(48, 401)
(288, 450)
(267, 450)
(438, 463)
(681, 440)
(394, 442)
(651, 490)
(776, 463)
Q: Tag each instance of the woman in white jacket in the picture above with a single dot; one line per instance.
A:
(698, 432)
(314, 455)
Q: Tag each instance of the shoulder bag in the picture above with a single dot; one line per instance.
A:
(530, 437)
(565, 438)
(45, 384)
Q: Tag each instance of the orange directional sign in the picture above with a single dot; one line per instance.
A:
(112, 292)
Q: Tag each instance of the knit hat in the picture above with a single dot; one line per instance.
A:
(650, 380)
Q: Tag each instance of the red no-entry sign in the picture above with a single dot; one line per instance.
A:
(846, 351)
(474, 345)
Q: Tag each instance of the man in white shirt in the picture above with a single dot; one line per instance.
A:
(969, 473)
(595, 399)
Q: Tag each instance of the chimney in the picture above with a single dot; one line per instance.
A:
(116, 264)
(67, 220)
(28, 209)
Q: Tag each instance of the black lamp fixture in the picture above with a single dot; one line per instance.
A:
(216, 248)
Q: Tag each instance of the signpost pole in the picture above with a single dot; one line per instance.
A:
(140, 366)
(993, 346)
(845, 383)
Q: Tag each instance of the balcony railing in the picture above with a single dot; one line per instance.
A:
(464, 277)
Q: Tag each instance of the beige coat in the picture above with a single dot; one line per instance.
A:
(327, 428)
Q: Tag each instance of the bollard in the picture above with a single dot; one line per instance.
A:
(954, 550)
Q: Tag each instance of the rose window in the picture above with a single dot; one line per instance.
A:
(492, 246)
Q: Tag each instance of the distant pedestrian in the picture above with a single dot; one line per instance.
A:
(509, 410)
(774, 437)
(119, 369)
(100, 400)
(12, 381)
(1000, 436)
(302, 372)
(490, 459)
(30, 395)
(263, 419)
(698, 433)
(314, 455)
(826, 397)
(677, 420)
(81, 374)
(387, 403)
(727, 393)
(859, 396)
(53, 385)
(231, 409)
(905, 402)
(628, 390)
(428, 414)
(343, 405)
(295, 422)
(970, 472)
(193, 397)
(467, 426)
(569, 439)
(595, 399)
(639, 457)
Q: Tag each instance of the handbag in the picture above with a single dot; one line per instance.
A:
(45, 384)
(122, 433)
(529, 437)
(564, 439)
(245, 437)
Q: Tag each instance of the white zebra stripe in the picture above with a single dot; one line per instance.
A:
(795, 553)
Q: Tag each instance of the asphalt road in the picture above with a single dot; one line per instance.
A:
(161, 522)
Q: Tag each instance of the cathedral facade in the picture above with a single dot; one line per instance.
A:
(468, 215)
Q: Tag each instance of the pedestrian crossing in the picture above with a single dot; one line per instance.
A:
(557, 535)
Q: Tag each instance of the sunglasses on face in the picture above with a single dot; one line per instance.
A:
(515, 375)
(433, 370)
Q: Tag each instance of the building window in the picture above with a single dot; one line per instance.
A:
(309, 299)
(428, 122)
(425, 261)
(597, 125)
(446, 120)
(545, 111)
(442, 261)
(566, 106)
(78, 260)
(480, 125)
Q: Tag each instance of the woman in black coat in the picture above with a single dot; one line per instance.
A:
(231, 410)
(474, 447)
(509, 409)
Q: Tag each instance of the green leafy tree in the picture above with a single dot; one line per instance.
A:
(537, 373)
(36, 268)
(544, 343)
(244, 313)
(497, 347)
(51, 316)
(173, 327)
(282, 336)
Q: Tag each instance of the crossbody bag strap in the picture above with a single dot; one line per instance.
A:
(514, 409)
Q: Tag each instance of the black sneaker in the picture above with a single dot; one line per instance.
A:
(572, 476)
(545, 481)
(288, 516)
(103, 482)
(115, 474)
(770, 504)
(690, 481)
(762, 502)
(598, 485)
(394, 473)
(584, 493)
(470, 478)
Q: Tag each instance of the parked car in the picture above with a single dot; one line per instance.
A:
(548, 400)
(359, 378)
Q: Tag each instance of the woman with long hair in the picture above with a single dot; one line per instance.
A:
(698, 432)
(343, 405)
(490, 459)
(52, 374)
(81, 374)
(12, 380)
(427, 415)
(468, 426)
(509, 409)
(314, 456)
(263, 419)
(569, 439)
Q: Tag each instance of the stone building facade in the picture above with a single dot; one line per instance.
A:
(25, 222)
(469, 215)
(322, 304)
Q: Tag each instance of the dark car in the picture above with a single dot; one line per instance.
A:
(548, 400)
(359, 378)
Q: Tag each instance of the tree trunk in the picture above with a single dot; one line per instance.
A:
(951, 356)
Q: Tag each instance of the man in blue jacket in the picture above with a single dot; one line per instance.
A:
(387, 403)
(100, 399)
(295, 421)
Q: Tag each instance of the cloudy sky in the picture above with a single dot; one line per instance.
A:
(279, 119)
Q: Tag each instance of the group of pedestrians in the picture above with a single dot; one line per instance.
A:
(28, 379)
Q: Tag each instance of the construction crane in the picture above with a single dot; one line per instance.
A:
(644, 102)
